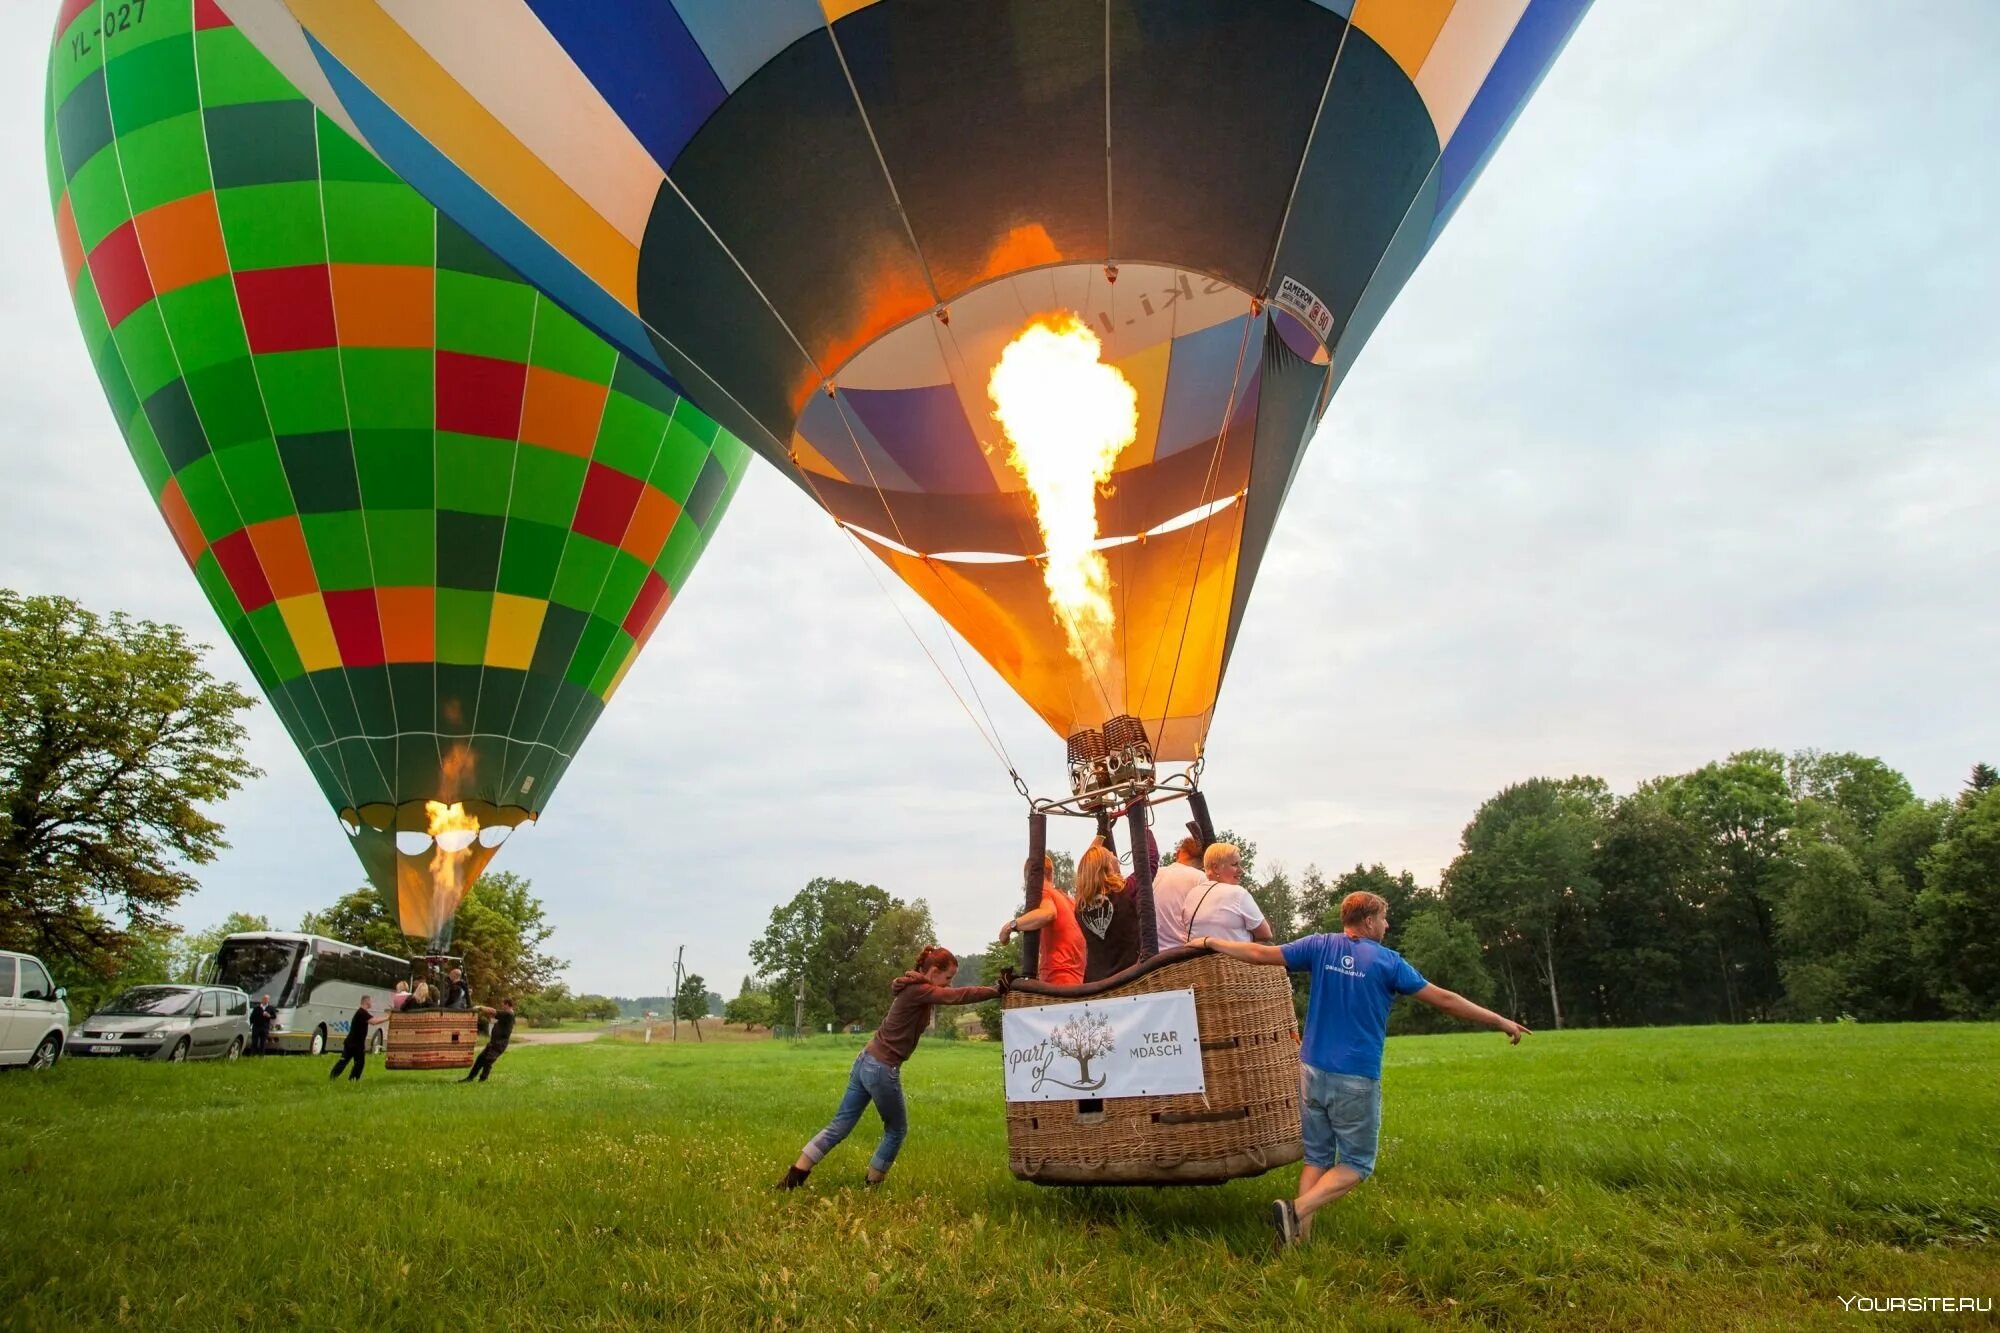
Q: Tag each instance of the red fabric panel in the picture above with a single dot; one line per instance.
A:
(477, 395)
(240, 566)
(650, 601)
(119, 270)
(287, 309)
(356, 627)
(208, 15)
(609, 496)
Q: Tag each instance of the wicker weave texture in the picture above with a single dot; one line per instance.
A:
(1247, 1124)
(432, 1039)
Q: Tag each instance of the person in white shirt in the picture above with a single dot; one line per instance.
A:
(1171, 885)
(1221, 907)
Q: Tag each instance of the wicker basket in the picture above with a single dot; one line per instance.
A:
(432, 1038)
(1246, 1125)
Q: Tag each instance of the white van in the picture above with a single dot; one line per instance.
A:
(33, 1016)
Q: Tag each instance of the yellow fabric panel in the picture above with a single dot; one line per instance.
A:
(387, 59)
(808, 459)
(1147, 373)
(1461, 58)
(311, 631)
(840, 9)
(511, 634)
(1172, 595)
(1404, 28)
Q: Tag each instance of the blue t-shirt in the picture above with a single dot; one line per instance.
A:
(1347, 1017)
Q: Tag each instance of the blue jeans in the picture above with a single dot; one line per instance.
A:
(870, 1080)
(1340, 1118)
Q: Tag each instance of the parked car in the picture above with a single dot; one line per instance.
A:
(168, 1023)
(33, 1016)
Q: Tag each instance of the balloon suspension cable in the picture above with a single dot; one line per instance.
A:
(993, 741)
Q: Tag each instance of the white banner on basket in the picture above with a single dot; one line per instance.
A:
(1129, 1046)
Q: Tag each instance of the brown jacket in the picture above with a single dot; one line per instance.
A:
(910, 1013)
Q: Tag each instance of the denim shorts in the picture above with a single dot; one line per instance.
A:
(1340, 1117)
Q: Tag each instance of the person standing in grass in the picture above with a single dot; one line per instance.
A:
(496, 1040)
(1062, 954)
(1354, 979)
(877, 1075)
(355, 1048)
(263, 1017)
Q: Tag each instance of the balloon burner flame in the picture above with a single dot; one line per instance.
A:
(454, 835)
(1067, 416)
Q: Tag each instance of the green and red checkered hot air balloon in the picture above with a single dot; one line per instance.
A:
(437, 515)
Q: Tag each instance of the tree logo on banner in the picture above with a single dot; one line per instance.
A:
(1082, 1039)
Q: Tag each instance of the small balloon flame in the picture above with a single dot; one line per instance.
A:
(1067, 416)
(454, 834)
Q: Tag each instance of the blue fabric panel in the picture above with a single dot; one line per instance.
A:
(460, 198)
(845, 441)
(1199, 376)
(925, 430)
(1544, 27)
(643, 62)
(738, 37)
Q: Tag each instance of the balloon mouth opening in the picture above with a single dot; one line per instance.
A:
(425, 856)
(420, 827)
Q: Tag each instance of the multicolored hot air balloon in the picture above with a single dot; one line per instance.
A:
(438, 516)
(827, 220)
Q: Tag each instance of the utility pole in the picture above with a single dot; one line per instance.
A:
(677, 990)
(799, 1008)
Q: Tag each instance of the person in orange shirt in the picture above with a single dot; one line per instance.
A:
(1062, 951)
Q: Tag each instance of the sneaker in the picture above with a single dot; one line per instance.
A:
(1285, 1222)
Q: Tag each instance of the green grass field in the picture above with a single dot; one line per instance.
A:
(1666, 1178)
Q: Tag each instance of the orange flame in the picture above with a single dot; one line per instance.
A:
(1067, 416)
(454, 837)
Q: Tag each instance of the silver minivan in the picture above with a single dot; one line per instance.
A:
(32, 1013)
(168, 1023)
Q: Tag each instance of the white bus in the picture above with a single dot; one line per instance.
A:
(314, 983)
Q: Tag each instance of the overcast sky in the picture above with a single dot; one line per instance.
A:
(1681, 441)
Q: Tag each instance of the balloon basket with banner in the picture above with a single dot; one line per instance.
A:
(432, 1038)
(1084, 1044)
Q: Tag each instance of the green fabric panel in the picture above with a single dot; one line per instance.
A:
(589, 654)
(546, 486)
(152, 83)
(163, 162)
(339, 546)
(634, 381)
(90, 312)
(529, 557)
(146, 456)
(245, 639)
(262, 143)
(629, 436)
(216, 586)
(585, 562)
(230, 403)
(404, 543)
(83, 123)
(129, 24)
(205, 322)
(342, 159)
(271, 226)
(458, 252)
(680, 460)
(389, 387)
(233, 72)
(208, 498)
(269, 623)
(74, 57)
(614, 657)
(97, 199)
(682, 542)
(371, 223)
(563, 344)
(473, 473)
(484, 316)
(468, 549)
(303, 390)
(256, 480)
(320, 469)
(461, 625)
(621, 587)
(395, 468)
(146, 350)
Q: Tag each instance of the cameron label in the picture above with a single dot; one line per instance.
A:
(1312, 312)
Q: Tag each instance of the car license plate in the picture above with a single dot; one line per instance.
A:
(105, 1050)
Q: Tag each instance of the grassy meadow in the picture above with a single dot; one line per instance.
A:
(1640, 1179)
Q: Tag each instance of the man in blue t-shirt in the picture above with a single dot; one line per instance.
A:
(1354, 978)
